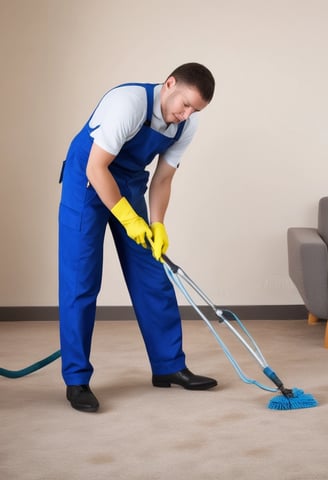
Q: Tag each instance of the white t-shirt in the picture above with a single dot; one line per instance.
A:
(122, 112)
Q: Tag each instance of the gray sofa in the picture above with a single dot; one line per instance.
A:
(308, 265)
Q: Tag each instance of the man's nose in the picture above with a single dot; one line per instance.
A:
(187, 112)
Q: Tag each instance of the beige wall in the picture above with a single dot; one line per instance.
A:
(258, 163)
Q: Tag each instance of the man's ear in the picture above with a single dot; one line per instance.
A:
(170, 82)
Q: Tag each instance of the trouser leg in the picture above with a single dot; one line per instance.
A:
(154, 302)
(81, 237)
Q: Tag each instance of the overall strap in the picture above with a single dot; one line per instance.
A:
(179, 131)
(150, 102)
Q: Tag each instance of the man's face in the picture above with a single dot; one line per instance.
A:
(179, 101)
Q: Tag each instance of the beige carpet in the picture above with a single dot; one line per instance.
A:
(146, 433)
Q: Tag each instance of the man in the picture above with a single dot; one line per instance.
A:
(104, 182)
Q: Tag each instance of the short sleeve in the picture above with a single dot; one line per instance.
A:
(118, 117)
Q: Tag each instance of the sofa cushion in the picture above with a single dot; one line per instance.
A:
(308, 265)
(323, 219)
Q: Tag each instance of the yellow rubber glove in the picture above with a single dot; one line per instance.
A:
(135, 226)
(160, 241)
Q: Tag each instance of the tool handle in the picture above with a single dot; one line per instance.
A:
(171, 264)
(273, 376)
(164, 257)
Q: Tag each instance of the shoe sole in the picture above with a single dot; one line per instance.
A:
(87, 410)
(196, 387)
(84, 408)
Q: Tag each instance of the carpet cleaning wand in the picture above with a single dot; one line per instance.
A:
(290, 398)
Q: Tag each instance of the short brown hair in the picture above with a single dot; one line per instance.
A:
(196, 75)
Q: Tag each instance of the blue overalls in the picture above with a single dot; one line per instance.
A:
(83, 219)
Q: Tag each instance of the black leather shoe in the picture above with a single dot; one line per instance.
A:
(185, 379)
(82, 398)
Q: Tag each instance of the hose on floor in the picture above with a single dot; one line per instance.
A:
(31, 368)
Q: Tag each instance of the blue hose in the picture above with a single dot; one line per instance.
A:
(31, 368)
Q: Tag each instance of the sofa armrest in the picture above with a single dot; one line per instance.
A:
(308, 268)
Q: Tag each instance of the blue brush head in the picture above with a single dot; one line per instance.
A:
(298, 400)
